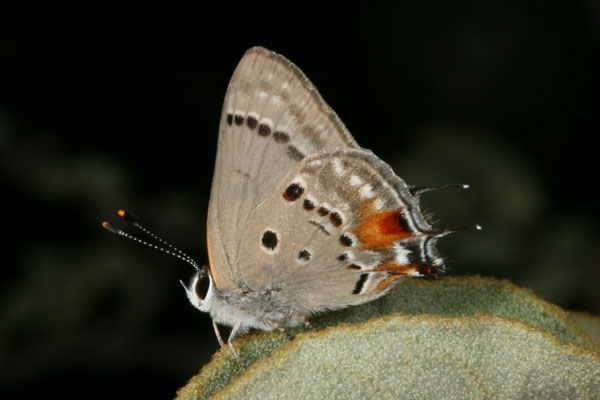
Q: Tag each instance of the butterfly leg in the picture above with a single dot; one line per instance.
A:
(219, 338)
(279, 327)
(302, 318)
(232, 336)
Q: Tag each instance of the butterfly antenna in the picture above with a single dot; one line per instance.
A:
(416, 191)
(171, 250)
(129, 218)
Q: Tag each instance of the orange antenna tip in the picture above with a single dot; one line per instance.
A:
(106, 225)
(126, 216)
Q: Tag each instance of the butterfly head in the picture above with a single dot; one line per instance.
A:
(200, 288)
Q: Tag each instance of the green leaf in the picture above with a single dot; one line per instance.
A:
(452, 338)
(589, 324)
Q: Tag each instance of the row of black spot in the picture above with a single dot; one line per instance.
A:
(293, 193)
(264, 130)
(270, 241)
(334, 217)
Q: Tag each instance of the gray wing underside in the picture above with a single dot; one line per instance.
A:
(272, 118)
(363, 231)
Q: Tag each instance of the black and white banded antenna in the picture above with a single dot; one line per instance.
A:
(170, 249)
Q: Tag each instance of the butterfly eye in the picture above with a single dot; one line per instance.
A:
(201, 285)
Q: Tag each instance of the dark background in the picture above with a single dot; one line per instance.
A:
(117, 106)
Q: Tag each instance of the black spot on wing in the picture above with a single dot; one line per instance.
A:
(264, 130)
(293, 192)
(229, 119)
(281, 137)
(239, 120)
(323, 211)
(270, 240)
(361, 282)
(251, 122)
(309, 205)
(304, 255)
(294, 153)
(336, 219)
(346, 240)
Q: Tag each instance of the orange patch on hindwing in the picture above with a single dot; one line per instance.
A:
(385, 283)
(379, 229)
(398, 271)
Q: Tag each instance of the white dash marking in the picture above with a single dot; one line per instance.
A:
(337, 167)
(366, 191)
(401, 254)
(355, 180)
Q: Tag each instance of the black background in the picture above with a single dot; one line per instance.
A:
(117, 106)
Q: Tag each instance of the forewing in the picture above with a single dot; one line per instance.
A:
(339, 229)
(273, 117)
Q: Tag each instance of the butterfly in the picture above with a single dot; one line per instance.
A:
(301, 219)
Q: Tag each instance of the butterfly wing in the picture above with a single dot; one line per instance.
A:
(339, 229)
(272, 118)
